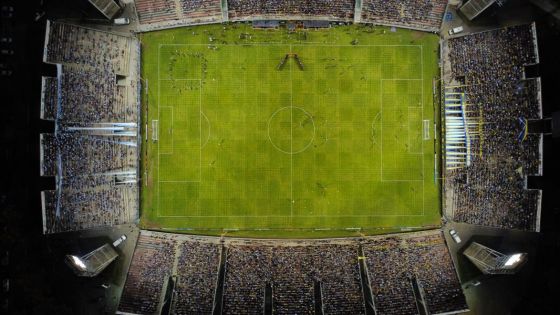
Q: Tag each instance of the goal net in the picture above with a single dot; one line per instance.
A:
(155, 129)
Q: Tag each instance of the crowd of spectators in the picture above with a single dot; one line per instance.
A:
(197, 272)
(85, 202)
(339, 274)
(151, 265)
(49, 98)
(296, 272)
(47, 148)
(293, 283)
(292, 272)
(332, 9)
(394, 263)
(192, 262)
(169, 13)
(153, 11)
(418, 14)
(248, 271)
(83, 155)
(71, 44)
(94, 96)
(492, 190)
(200, 8)
(89, 193)
(85, 93)
(390, 276)
(430, 260)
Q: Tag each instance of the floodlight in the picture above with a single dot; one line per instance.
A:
(78, 262)
(515, 258)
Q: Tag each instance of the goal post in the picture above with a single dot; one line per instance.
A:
(155, 128)
(426, 132)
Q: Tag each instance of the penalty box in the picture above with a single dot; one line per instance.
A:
(180, 136)
(402, 130)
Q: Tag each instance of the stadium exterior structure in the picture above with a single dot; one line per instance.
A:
(142, 28)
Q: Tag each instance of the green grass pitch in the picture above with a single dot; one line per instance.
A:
(344, 146)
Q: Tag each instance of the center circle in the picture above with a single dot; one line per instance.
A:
(291, 129)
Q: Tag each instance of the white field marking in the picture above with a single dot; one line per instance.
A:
(291, 133)
(209, 129)
(426, 129)
(155, 130)
(381, 96)
(172, 145)
(199, 131)
(291, 96)
(290, 216)
(158, 97)
(422, 89)
(313, 44)
(402, 180)
(292, 140)
(179, 181)
(172, 139)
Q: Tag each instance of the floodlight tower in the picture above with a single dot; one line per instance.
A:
(92, 263)
(493, 262)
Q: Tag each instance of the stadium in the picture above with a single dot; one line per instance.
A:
(281, 157)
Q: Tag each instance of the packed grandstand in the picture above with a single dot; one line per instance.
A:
(94, 155)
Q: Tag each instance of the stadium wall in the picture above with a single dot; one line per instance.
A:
(44, 211)
(414, 28)
(289, 18)
(539, 209)
(534, 31)
(141, 28)
(44, 110)
(45, 47)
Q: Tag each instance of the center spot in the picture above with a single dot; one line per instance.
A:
(291, 129)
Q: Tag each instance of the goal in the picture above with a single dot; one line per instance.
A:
(155, 133)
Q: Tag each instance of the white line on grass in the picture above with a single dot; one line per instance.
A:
(179, 181)
(200, 132)
(172, 138)
(381, 97)
(310, 44)
(291, 130)
(209, 128)
(291, 141)
(403, 180)
(295, 216)
(422, 89)
(381, 101)
(159, 90)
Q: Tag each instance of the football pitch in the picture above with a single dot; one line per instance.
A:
(276, 133)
